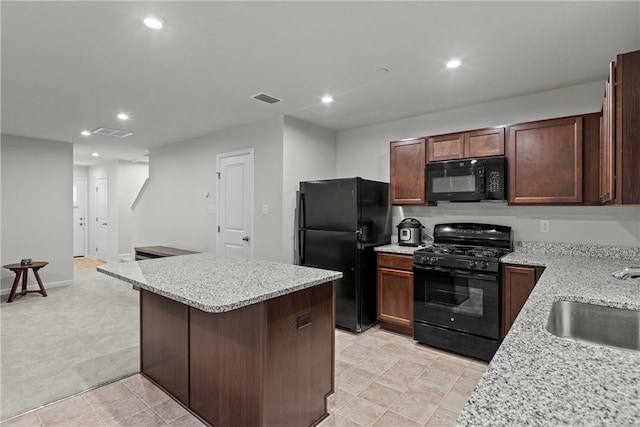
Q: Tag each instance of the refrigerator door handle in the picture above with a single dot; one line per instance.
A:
(300, 247)
(302, 214)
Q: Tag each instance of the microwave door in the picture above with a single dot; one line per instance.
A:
(459, 184)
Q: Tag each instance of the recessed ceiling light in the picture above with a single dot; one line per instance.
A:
(454, 63)
(382, 71)
(153, 22)
(85, 133)
(95, 154)
(327, 99)
(123, 116)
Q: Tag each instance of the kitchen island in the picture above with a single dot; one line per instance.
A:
(237, 341)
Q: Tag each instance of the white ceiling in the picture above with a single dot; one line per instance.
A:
(69, 66)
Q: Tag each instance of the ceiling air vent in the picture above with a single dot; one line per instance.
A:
(266, 98)
(112, 132)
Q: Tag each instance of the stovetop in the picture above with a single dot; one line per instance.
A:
(466, 246)
(465, 251)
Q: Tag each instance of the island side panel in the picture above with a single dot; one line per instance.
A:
(226, 353)
(164, 343)
(299, 371)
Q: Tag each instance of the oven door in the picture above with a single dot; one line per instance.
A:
(458, 300)
(453, 181)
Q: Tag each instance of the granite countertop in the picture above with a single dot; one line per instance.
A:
(217, 284)
(395, 248)
(536, 378)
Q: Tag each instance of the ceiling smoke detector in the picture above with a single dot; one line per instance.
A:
(265, 98)
(111, 132)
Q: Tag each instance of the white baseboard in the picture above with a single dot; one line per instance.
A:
(33, 287)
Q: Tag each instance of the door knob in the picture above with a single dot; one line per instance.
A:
(245, 238)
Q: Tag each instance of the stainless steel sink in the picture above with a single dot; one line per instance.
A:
(596, 324)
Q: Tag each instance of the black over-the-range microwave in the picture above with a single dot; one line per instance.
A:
(467, 180)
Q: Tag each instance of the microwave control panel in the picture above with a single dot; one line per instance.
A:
(495, 183)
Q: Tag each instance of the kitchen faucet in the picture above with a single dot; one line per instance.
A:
(627, 272)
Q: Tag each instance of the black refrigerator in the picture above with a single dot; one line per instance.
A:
(339, 222)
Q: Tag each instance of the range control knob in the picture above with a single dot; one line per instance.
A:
(483, 265)
(471, 264)
(433, 260)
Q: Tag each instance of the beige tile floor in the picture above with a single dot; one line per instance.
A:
(382, 379)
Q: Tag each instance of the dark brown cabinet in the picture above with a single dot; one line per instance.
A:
(266, 364)
(517, 283)
(620, 136)
(445, 147)
(406, 179)
(545, 162)
(395, 292)
(477, 143)
(607, 140)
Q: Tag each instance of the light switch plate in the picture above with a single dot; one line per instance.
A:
(544, 226)
(265, 209)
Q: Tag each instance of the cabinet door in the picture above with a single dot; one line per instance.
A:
(395, 297)
(607, 140)
(484, 143)
(164, 343)
(408, 160)
(545, 162)
(627, 128)
(517, 284)
(445, 147)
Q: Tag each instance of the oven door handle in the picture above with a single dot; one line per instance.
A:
(477, 276)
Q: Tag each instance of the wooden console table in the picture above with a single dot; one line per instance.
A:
(21, 271)
(148, 252)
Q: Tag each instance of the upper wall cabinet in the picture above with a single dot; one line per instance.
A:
(620, 136)
(607, 139)
(408, 159)
(478, 143)
(545, 162)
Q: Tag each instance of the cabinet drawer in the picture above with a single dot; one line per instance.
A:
(399, 262)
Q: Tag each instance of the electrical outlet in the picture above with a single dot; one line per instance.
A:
(265, 209)
(544, 226)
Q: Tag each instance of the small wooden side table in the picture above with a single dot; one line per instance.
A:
(21, 270)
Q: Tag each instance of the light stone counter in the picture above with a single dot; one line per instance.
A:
(536, 378)
(217, 284)
(395, 248)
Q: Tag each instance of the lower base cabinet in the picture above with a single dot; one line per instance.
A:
(395, 292)
(266, 364)
(517, 283)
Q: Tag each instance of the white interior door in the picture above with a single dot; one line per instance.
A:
(79, 216)
(102, 217)
(235, 204)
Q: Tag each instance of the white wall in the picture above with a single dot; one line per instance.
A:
(365, 152)
(309, 153)
(174, 210)
(131, 177)
(37, 211)
(80, 171)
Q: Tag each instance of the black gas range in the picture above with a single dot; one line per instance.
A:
(457, 288)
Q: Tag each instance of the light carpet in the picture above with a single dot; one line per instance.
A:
(80, 336)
